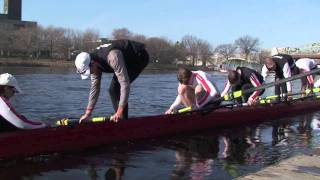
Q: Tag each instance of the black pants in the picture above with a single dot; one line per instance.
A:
(280, 89)
(245, 96)
(134, 69)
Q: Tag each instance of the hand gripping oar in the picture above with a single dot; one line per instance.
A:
(72, 121)
(237, 94)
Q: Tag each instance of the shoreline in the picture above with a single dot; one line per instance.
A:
(70, 64)
(35, 62)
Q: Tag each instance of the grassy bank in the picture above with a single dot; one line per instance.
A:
(35, 62)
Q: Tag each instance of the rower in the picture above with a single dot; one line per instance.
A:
(10, 119)
(306, 65)
(195, 89)
(281, 68)
(241, 79)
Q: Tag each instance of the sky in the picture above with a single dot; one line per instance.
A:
(276, 23)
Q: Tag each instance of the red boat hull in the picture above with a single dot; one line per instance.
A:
(67, 138)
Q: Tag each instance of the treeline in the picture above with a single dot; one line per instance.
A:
(61, 43)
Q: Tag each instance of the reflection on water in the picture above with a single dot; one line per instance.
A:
(215, 154)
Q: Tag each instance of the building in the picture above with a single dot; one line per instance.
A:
(11, 19)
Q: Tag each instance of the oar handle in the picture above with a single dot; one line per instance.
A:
(70, 121)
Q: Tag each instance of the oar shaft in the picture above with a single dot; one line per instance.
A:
(237, 94)
(70, 121)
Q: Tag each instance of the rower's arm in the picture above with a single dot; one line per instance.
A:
(94, 91)
(264, 72)
(287, 73)
(176, 103)
(226, 88)
(116, 61)
(12, 116)
(255, 82)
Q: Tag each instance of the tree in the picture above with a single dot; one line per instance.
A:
(160, 50)
(122, 33)
(247, 44)
(6, 42)
(90, 40)
(226, 50)
(204, 51)
(263, 55)
(139, 38)
(180, 52)
(190, 43)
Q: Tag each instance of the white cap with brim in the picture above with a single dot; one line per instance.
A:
(7, 79)
(82, 63)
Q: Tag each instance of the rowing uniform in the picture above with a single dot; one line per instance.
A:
(282, 71)
(206, 81)
(126, 59)
(306, 65)
(286, 57)
(11, 120)
(249, 78)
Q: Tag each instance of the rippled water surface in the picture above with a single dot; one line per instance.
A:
(51, 94)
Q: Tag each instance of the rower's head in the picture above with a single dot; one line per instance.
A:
(295, 70)
(233, 77)
(270, 64)
(83, 63)
(184, 75)
(8, 85)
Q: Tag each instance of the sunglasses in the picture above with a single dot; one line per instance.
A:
(84, 70)
(13, 89)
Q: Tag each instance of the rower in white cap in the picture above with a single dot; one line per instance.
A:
(10, 119)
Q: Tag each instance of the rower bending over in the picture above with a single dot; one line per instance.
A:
(195, 88)
(241, 79)
(10, 119)
(306, 65)
(282, 70)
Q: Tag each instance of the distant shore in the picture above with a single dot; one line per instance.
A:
(35, 62)
(70, 63)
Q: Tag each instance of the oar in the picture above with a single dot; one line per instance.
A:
(237, 94)
(268, 99)
(72, 121)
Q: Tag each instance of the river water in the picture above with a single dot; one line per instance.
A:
(53, 93)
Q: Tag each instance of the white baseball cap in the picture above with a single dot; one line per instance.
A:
(7, 79)
(82, 63)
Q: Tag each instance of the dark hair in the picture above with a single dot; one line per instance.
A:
(1, 89)
(183, 75)
(110, 174)
(233, 76)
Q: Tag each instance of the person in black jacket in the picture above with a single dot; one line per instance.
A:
(241, 79)
(126, 59)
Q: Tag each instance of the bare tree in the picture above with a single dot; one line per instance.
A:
(140, 38)
(180, 52)
(247, 44)
(191, 45)
(263, 55)
(204, 51)
(122, 33)
(6, 42)
(26, 41)
(90, 40)
(160, 50)
(226, 50)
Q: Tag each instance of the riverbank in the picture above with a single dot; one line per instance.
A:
(35, 62)
(65, 63)
(295, 168)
